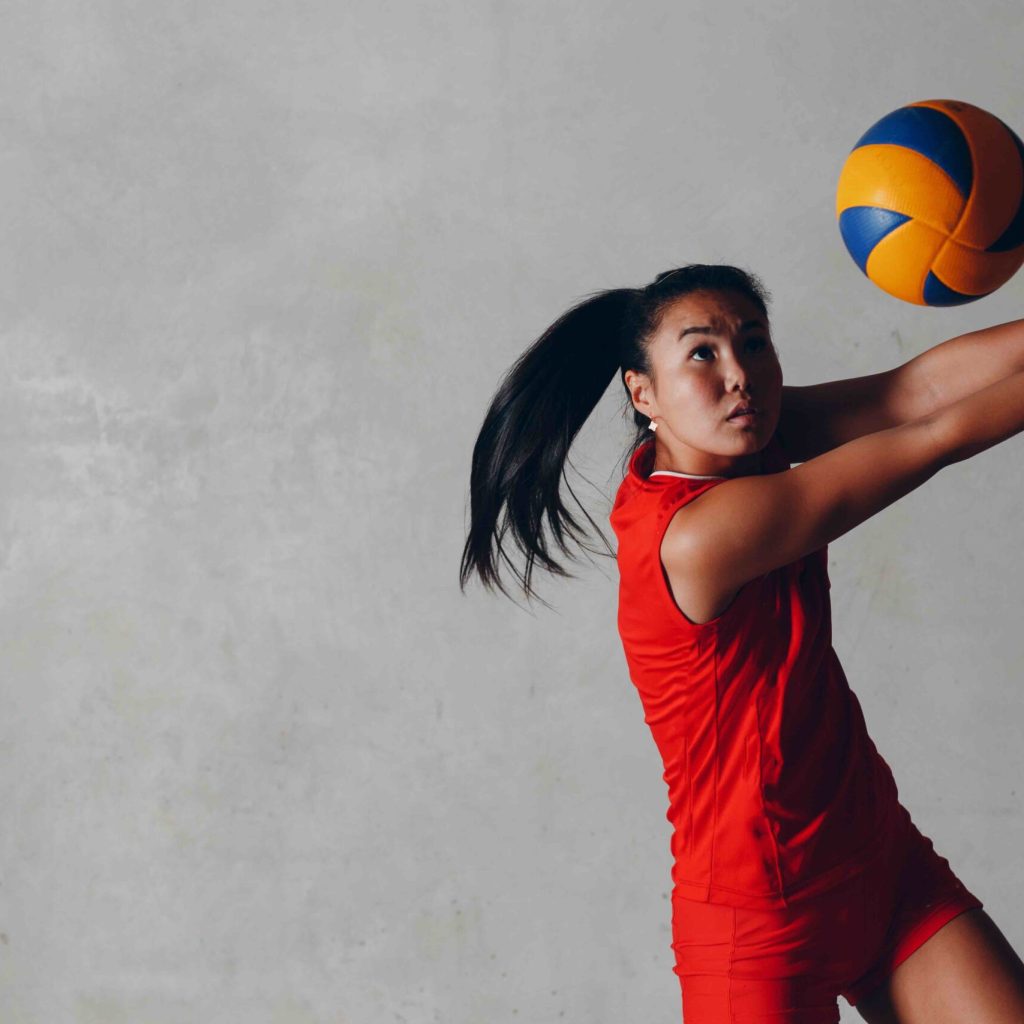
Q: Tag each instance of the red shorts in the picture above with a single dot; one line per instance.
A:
(791, 965)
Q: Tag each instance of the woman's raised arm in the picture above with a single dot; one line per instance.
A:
(743, 528)
(819, 417)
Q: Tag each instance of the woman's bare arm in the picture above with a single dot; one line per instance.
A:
(963, 365)
(819, 417)
(746, 527)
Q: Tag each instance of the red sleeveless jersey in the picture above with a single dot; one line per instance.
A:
(776, 791)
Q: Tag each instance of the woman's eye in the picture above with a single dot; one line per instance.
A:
(755, 344)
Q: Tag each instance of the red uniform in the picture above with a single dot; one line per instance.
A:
(777, 794)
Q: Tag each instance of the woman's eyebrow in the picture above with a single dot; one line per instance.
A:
(746, 326)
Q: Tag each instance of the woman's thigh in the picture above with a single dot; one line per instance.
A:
(929, 899)
(966, 971)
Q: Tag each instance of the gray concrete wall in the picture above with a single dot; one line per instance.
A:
(263, 265)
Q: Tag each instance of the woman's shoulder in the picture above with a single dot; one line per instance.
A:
(701, 592)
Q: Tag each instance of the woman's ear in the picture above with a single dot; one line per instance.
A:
(641, 393)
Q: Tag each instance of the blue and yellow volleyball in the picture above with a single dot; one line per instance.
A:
(930, 203)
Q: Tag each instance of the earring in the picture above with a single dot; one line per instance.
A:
(652, 425)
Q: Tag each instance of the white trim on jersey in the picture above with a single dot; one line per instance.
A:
(689, 476)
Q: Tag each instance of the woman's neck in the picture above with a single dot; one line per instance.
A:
(662, 465)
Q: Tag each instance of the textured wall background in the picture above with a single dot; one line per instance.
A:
(263, 265)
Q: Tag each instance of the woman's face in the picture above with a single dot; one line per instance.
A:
(711, 352)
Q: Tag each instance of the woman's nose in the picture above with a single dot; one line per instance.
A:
(737, 375)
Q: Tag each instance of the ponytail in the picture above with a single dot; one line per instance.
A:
(541, 404)
(520, 454)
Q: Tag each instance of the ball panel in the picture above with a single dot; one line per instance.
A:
(971, 272)
(937, 294)
(1014, 234)
(900, 262)
(892, 178)
(863, 227)
(998, 176)
(930, 132)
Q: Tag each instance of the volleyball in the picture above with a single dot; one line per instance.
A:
(930, 203)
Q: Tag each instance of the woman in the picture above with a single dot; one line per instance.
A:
(798, 875)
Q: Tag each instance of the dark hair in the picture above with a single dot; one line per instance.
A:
(541, 404)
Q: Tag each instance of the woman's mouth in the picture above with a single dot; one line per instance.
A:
(744, 414)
